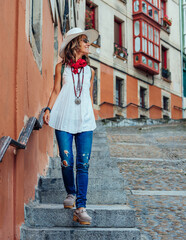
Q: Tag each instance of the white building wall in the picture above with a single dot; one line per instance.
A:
(106, 12)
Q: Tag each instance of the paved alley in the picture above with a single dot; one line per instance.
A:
(152, 161)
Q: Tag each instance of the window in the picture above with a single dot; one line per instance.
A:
(150, 10)
(35, 36)
(136, 28)
(144, 60)
(144, 7)
(137, 44)
(95, 87)
(91, 15)
(136, 6)
(119, 91)
(164, 58)
(142, 97)
(165, 103)
(118, 32)
(163, 10)
(156, 15)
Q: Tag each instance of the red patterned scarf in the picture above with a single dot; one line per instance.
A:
(79, 64)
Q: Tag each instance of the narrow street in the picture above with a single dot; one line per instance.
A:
(152, 161)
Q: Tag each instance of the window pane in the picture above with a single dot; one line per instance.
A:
(150, 11)
(156, 66)
(150, 63)
(136, 6)
(137, 44)
(155, 40)
(136, 28)
(151, 49)
(146, 45)
(144, 60)
(143, 44)
(155, 53)
(145, 30)
(144, 7)
(151, 33)
(156, 15)
(156, 3)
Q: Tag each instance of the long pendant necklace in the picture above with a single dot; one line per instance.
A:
(79, 86)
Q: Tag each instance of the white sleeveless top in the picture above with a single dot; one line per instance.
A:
(68, 116)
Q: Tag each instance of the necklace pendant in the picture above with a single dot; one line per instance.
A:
(77, 101)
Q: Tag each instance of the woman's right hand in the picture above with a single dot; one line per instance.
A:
(46, 117)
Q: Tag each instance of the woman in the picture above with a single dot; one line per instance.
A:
(70, 113)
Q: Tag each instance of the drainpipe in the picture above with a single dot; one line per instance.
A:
(181, 44)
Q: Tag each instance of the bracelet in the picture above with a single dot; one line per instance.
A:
(47, 108)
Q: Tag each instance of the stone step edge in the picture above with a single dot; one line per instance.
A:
(83, 228)
(98, 207)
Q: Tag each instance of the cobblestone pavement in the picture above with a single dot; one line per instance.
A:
(152, 161)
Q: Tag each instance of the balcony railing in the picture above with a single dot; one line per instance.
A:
(165, 25)
(166, 74)
(120, 51)
(97, 43)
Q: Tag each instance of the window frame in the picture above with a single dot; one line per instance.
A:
(35, 38)
(120, 35)
(119, 100)
(94, 8)
(164, 57)
(143, 103)
(166, 103)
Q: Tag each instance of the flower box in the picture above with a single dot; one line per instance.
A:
(167, 20)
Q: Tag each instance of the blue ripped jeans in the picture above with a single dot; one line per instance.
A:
(83, 142)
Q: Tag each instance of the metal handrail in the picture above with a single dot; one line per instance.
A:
(131, 103)
(179, 108)
(32, 124)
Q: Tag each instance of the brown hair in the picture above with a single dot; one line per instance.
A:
(71, 50)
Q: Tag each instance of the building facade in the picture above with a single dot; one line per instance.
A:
(183, 50)
(31, 31)
(137, 58)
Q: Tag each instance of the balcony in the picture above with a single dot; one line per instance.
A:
(97, 43)
(166, 23)
(166, 74)
(120, 52)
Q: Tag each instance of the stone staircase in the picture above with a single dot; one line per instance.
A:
(46, 219)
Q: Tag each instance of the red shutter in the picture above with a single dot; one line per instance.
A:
(120, 34)
(117, 32)
(165, 59)
(93, 18)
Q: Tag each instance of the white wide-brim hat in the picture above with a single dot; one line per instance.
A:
(91, 34)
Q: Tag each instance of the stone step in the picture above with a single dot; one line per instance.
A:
(102, 183)
(99, 197)
(79, 233)
(94, 161)
(93, 172)
(54, 215)
(109, 170)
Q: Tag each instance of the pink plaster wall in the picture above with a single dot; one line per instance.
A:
(23, 93)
